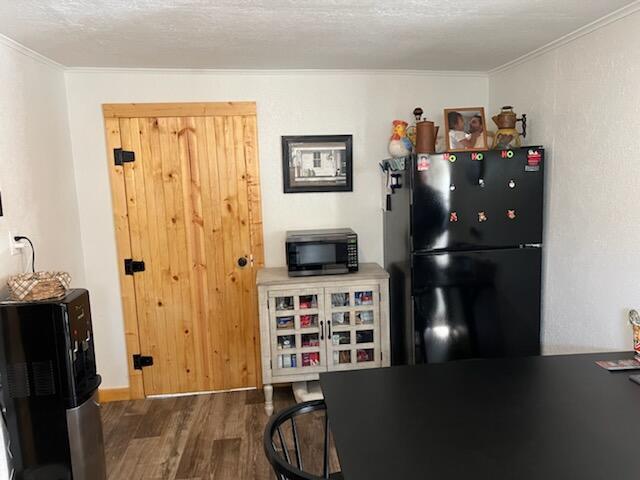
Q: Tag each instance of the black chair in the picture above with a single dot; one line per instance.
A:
(278, 451)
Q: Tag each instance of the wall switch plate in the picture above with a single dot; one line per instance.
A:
(15, 248)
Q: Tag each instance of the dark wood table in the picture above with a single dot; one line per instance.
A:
(542, 418)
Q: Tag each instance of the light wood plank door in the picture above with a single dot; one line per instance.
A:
(192, 214)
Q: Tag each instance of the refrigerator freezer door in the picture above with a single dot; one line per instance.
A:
(479, 200)
(478, 304)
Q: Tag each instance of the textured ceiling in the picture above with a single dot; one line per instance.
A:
(350, 34)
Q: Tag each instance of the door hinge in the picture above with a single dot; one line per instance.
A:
(120, 156)
(140, 361)
(132, 266)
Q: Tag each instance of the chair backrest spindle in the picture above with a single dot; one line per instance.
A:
(283, 445)
(281, 461)
(296, 443)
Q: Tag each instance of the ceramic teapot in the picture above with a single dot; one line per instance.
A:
(507, 135)
(424, 134)
(426, 137)
(506, 118)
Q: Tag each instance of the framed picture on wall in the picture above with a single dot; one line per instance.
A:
(317, 163)
(466, 129)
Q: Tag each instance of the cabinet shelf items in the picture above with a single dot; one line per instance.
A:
(310, 325)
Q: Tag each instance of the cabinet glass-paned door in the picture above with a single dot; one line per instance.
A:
(353, 327)
(297, 332)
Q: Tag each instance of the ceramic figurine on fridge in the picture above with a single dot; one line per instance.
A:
(634, 320)
(399, 144)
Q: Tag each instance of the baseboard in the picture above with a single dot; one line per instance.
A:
(107, 395)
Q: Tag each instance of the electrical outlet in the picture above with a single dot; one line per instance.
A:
(15, 248)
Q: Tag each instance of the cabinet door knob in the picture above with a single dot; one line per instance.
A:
(321, 330)
(242, 262)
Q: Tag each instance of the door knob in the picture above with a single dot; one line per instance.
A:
(242, 262)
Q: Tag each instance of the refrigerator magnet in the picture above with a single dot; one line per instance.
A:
(511, 214)
(423, 162)
(453, 217)
(477, 156)
(506, 153)
(512, 183)
(450, 156)
(452, 187)
(534, 157)
(482, 217)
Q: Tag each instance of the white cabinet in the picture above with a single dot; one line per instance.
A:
(316, 324)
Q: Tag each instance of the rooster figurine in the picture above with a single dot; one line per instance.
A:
(399, 145)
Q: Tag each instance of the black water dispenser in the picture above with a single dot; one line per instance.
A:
(51, 414)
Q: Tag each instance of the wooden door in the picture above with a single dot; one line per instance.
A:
(189, 207)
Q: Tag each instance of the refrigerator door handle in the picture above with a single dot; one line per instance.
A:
(531, 245)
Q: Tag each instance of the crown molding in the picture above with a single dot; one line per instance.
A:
(612, 17)
(275, 72)
(27, 52)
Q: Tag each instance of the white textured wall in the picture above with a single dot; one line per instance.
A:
(289, 103)
(36, 169)
(583, 104)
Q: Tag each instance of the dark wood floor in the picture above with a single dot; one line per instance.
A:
(196, 437)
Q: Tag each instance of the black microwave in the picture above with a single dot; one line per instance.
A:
(322, 252)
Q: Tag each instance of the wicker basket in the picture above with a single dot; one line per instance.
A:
(31, 287)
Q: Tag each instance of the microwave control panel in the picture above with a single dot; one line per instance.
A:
(352, 253)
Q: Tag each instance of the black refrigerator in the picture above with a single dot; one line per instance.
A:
(463, 245)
